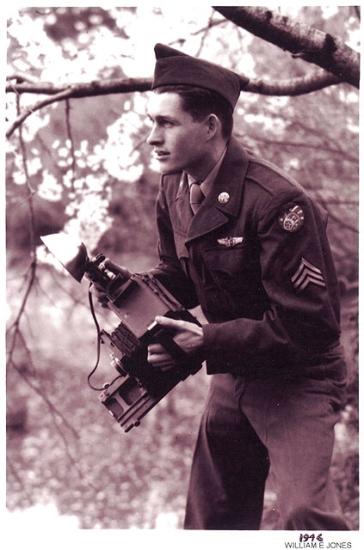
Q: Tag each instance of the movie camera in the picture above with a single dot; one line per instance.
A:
(138, 387)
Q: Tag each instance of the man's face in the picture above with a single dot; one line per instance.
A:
(178, 141)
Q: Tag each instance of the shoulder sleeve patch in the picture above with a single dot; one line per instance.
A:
(292, 219)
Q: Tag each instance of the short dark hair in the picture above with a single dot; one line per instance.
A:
(200, 102)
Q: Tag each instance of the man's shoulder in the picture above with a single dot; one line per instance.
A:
(264, 180)
(268, 188)
(269, 179)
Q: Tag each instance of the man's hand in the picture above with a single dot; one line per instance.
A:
(98, 290)
(188, 336)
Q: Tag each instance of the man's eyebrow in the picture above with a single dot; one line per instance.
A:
(161, 118)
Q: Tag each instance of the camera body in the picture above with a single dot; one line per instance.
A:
(141, 386)
(136, 302)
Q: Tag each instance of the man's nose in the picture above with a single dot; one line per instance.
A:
(155, 136)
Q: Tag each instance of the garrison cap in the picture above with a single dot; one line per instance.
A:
(174, 67)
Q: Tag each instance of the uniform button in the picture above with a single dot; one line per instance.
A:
(223, 198)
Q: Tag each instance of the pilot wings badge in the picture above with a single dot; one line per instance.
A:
(230, 242)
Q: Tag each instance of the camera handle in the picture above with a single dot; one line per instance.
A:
(164, 336)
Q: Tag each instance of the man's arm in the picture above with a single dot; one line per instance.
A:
(299, 278)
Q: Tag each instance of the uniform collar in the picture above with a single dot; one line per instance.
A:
(214, 212)
(230, 180)
(207, 183)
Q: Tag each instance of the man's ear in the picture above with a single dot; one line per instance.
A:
(213, 125)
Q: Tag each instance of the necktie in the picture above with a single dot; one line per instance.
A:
(196, 197)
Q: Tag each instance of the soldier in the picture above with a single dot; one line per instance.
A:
(240, 238)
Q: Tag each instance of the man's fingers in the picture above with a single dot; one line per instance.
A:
(156, 349)
(162, 361)
(168, 322)
(159, 358)
(157, 353)
(116, 268)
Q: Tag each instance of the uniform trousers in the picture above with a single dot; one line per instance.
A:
(252, 426)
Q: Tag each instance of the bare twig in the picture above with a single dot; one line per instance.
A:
(337, 220)
(71, 459)
(317, 132)
(14, 331)
(344, 250)
(23, 488)
(50, 154)
(28, 354)
(338, 202)
(72, 147)
(69, 294)
(30, 275)
(20, 119)
(42, 394)
(210, 25)
(303, 144)
(204, 35)
(13, 202)
(17, 276)
(309, 129)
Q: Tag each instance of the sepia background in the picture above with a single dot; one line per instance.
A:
(82, 165)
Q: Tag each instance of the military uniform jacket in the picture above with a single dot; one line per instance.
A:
(257, 260)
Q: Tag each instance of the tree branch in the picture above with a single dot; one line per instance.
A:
(27, 112)
(303, 41)
(73, 90)
(289, 87)
(316, 80)
(312, 82)
(86, 89)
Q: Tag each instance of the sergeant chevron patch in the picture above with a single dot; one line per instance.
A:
(306, 274)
